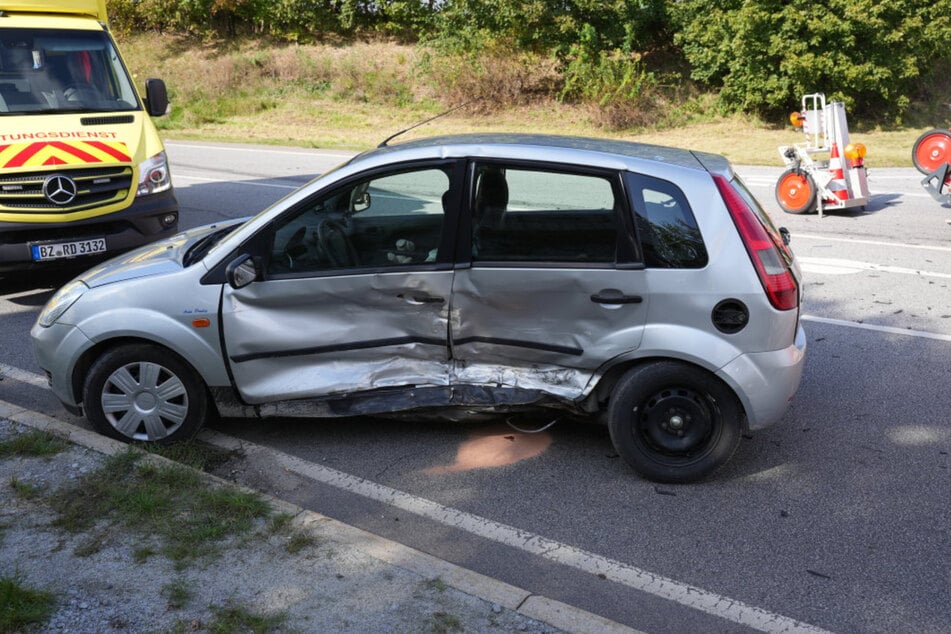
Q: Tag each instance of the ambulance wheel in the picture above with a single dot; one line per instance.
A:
(796, 192)
(932, 150)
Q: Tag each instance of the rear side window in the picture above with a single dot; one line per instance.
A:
(666, 226)
(544, 216)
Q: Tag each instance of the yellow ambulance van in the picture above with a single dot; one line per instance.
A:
(83, 173)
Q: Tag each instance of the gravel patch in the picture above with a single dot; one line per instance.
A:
(325, 585)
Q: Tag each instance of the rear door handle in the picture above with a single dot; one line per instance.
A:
(417, 300)
(614, 296)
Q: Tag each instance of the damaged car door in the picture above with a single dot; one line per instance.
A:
(351, 293)
(554, 289)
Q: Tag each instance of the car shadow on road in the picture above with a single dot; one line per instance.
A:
(43, 284)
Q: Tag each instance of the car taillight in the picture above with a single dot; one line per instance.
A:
(774, 273)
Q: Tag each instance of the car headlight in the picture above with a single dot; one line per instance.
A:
(154, 176)
(60, 303)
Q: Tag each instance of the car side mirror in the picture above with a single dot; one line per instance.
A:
(156, 97)
(361, 202)
(241, 271)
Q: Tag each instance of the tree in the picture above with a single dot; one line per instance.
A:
(764, 55)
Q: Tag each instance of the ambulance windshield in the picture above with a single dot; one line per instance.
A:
(46, 71)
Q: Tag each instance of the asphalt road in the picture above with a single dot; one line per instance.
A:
(836, 519)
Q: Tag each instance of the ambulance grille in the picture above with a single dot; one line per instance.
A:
(112, 120)
(98, 186)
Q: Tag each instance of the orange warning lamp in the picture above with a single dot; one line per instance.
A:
(855, 151)
(796, 119)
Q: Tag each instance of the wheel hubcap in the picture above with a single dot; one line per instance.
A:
(144, 401)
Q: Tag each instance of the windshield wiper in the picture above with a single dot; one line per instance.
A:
(203, 246)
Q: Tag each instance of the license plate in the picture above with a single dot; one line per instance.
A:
(58, 250)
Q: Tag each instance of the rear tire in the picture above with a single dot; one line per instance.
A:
(796, 192)
(672, 422)
(141, 392)
(932, 150)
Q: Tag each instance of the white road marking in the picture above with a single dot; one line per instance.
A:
(765, 182)
(564, 554)
(838, 266)
(343, 155)
(902, 194)
(891, 330)
(179, 175)
(879, 243)
(23, 376)
(619, 572)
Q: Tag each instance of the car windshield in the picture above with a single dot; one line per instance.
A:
(49, 70)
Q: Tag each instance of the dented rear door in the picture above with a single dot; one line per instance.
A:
(554, 289)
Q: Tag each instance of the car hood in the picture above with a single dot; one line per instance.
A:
(158, 258)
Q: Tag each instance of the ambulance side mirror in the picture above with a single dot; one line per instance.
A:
(156, 97)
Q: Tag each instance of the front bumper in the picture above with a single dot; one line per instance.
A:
(766, 382)
(58, 350)
(138, 224)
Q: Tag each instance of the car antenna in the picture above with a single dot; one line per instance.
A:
(416, 125)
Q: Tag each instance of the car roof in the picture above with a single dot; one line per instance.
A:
(508, 145)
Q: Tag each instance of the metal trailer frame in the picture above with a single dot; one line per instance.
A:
(841, 183)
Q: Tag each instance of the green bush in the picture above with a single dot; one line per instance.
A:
(759, 56)
(545, 27)
(615, 80)
(764, 55)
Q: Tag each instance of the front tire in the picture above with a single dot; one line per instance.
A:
(672, 422)
(141, 392)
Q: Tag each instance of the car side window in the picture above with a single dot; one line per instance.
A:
(537, 215)
(665, 224)
(385, 221)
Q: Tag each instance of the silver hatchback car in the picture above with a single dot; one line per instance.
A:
(637, 285)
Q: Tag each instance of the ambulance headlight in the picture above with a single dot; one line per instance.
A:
(154, 176)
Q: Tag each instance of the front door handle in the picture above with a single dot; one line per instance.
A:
(614, 296)
(418, 300)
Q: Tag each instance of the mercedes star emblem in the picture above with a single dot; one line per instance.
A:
(59, 189)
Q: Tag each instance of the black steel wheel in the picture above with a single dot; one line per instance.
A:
(142, 392)
(673, 422)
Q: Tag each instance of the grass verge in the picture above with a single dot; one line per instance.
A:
(21, 606)
(354, 96)
(170, 504)
(33, 444)
(234, 618)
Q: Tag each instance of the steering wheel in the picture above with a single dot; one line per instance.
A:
(334, 243)
(81, 92)
(295, 247)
